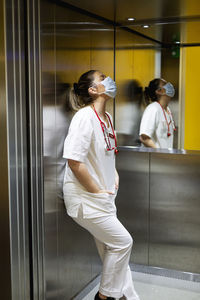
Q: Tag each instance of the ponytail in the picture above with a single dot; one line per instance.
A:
(79, 96)
(150, 91)
(74, 100)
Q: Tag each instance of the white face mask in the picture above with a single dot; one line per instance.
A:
(169, 88)
(110, 87)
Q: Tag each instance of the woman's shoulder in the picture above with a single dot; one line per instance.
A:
(83, 113)
(82, 119)
(154, 106)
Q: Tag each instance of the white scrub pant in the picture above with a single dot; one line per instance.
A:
(114, 245)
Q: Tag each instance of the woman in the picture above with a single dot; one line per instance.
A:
(91, 182)
(157, 126)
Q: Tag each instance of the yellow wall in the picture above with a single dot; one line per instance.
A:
(191, 70)
(192, 100)
(135, 64)
(83, 60)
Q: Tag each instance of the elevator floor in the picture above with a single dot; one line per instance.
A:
(153, 287)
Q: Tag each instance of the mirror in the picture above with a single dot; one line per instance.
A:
(170, 50)
(138, 61)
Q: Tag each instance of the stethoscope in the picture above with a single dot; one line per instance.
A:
(168, 123)
(107, 135)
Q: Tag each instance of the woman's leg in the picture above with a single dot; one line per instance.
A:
(118, 243)
(128, 287)
(101, 247)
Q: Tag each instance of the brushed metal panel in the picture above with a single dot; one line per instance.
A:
(48, 78)
(174, 212)
(17, 149)
(5, 276)
(133, 200)
(33, 70)
(78, 259)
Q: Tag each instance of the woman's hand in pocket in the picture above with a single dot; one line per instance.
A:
(105, 192)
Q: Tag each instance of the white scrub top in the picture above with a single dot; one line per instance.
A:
(154, 125)
(85, 143)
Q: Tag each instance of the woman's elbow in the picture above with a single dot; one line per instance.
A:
(73, 164)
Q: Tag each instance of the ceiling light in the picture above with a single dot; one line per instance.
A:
(177, 42)
(131, 19)
(145, 26)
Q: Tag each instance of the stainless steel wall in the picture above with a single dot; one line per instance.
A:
(71, 44)
(22, 208)
(175, 211)
(5, 277)
(159, 203)
(133, 201)
(17, 180)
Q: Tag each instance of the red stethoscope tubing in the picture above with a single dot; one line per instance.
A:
(168, 129)
(108, 144)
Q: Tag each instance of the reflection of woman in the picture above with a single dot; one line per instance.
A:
(157, 125)
(91, 182)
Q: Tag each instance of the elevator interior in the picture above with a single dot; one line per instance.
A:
(158, 201)
(74, 40)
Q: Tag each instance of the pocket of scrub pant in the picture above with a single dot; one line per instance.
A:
(100, 201)
(71, 196)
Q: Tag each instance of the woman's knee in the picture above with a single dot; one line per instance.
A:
(127, 242)
(130, 241)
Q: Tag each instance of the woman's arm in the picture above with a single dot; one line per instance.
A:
(116, 180)
(147, 141)
(80, 171)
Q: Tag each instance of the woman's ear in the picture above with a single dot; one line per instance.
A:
(160, 92)
(157, 92)
(92, 91)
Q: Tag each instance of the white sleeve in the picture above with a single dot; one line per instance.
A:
(148, 122)
(78, 140)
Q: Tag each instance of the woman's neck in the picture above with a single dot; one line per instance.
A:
(100, 106)
(164, 101)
